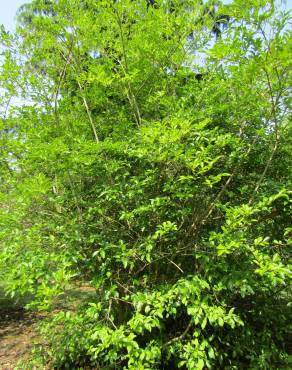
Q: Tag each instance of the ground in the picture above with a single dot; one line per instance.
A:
(18, 327)
(18, 334)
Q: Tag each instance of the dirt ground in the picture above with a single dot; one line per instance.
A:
(18, 327)
(18, 334)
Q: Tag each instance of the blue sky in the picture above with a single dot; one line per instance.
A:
(8, 10)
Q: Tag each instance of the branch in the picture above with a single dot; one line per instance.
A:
(277, 140)
(221, 192)
(62, 75)
(83, 98)
(131, 96)
(87, 111)
(176, 339)
(175, 265)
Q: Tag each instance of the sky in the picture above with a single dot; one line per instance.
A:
(8, 9)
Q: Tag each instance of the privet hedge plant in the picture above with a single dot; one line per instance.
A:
(146, 154)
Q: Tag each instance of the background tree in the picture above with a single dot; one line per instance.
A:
(167, 193)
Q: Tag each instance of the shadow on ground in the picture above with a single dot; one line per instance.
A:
(18, 327)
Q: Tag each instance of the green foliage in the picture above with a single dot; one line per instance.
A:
(153, 162)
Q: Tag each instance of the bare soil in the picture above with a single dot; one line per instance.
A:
(18, 327)
(18, 334)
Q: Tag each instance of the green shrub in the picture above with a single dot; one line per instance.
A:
(161, 180)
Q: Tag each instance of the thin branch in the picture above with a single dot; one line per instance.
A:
(131, 96)
(88, 111)
(221, 192)
(84, 100)
(175, 265)
(176, 339)
(276, 144)
(7, 107)
(123, 287)
(62, 75)
(108, 314)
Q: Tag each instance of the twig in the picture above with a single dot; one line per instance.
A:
(84, 100)
(62, 75)
(87, 111)
(180, 336)
(175, 265)
(125, 288)
(221, 192)
(275, 147)
(108, 314)
(131, 96)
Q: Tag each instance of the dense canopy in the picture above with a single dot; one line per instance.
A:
(146, 154)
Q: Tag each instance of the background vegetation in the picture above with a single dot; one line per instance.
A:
(150, 160)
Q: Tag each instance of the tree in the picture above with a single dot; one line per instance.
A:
(165, 192)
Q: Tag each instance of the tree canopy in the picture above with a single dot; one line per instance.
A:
(145, 151)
